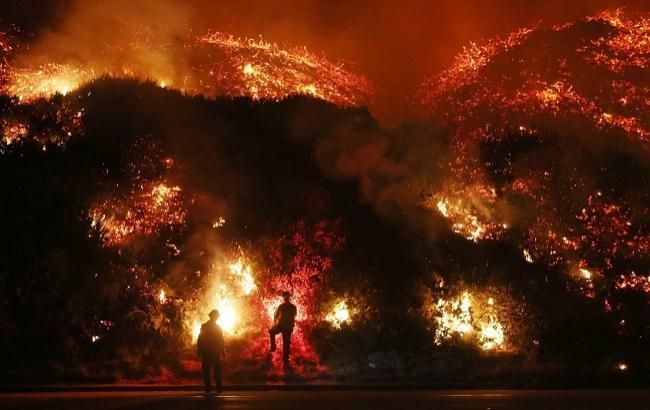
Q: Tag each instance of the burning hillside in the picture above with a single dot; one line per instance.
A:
(214, 64)
(550, 144)
(510, 228)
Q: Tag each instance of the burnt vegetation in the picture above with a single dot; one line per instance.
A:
(78, 308)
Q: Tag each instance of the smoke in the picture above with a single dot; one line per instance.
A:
(395, 46)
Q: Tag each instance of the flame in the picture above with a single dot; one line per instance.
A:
(46, 80)
(469, 211)
(462, 317)
(212, 64)
(147, 208)
(339, 314)
(268, 71)
(229, 291)
(221, 221)
(248, 69)
(527, 256)
(455, 317)
(498, 94)
(196, 330)
(13, 131)
(244, 276)
(492, 334)
(229, 315)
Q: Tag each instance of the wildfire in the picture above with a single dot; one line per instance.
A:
(52, 123)
(470, 213)
(268, 71)
(339, 314)
(147, 209)
(455, 318)
(212, 65)
(492, 336)
(229, 291)
(12, 131)
(470, 318)
(632, 281)
(496, 97)
(46, 80)
(244, 276)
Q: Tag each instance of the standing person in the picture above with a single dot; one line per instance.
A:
(210, 346)
(283, 321)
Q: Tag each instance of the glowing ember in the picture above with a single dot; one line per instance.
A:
(632, 281)
(149, 208)
(162, 296)
(12, 131)
(339, 314)
(213, 64)
(497, 98)
(470, 213)
(267, 71)
(585, 273)
(219, 222)
(527, 256)
(47, 80)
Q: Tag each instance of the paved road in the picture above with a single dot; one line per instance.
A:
(337, 400)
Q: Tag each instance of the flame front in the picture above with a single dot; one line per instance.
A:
(214, 64)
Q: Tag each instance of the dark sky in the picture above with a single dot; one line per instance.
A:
(394, 43)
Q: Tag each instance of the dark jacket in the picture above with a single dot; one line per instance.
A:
(210, 344)
(285, 316)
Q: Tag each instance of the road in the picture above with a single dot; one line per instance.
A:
(333, 399)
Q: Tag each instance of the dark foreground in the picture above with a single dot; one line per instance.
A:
(338, 400)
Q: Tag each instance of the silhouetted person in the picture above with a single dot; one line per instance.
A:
(283, 321)
(210, 346)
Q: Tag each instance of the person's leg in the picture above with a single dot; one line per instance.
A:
(205, 366)
(218, 375)
(272, 332)
(286, 345)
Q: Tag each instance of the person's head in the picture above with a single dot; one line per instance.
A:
(285, 296)
(214, 315)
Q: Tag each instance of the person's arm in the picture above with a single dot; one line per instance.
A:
(276, 315)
